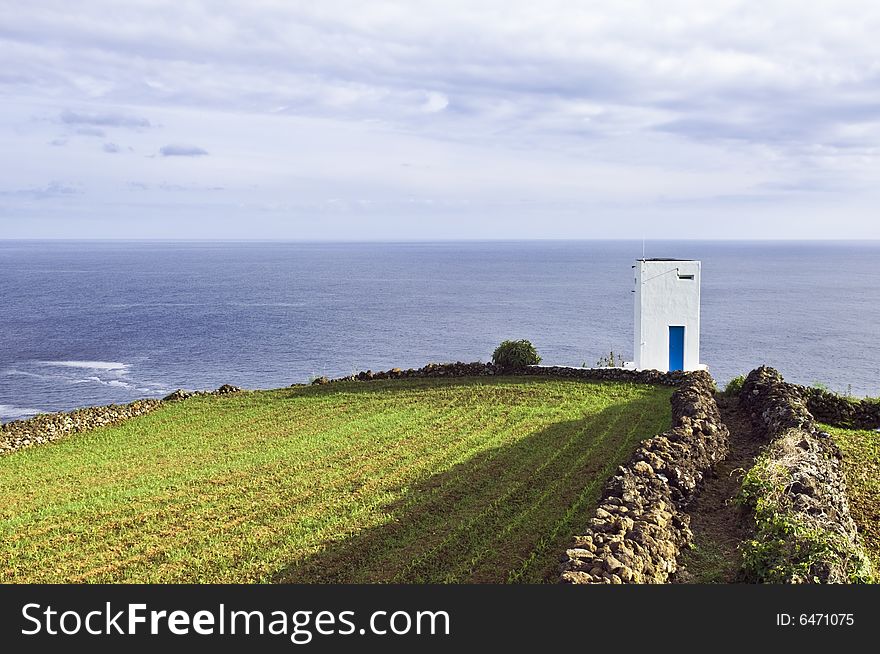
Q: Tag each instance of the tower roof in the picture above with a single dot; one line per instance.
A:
(664, 259)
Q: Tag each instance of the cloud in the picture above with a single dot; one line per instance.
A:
(103, 119)
(435, 102)
(182, 151)
(562, 101)
(168, 186)
(700, 71)
(110, 148)
(91, 131)
(53, 189)
(165, 186)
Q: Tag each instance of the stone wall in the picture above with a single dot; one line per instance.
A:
(48, 427)
(840, 411)
(804, 531)
(640, 527)
(478, 369)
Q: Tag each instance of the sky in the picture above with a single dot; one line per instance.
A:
(439, 120)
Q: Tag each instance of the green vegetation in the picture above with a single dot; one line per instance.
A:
(784, 548)
(429, 480)
(706, 563)
(515, 355)
(609, 362)
(861, 467)
(734, 386)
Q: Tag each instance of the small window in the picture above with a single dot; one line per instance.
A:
(680, 276)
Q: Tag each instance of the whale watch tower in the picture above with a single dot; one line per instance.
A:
(667, 315)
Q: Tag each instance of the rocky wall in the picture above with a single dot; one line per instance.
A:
(478, 369)
(841, 411)
(640, 527)
(797, 492)
(48, 427)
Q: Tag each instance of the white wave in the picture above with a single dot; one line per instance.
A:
(88, 365)
(268, 304)
(66, 379)
(24, 373)
(106, 382)
(9, 412)
(153, 305)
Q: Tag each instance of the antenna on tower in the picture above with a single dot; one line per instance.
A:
(643, 247)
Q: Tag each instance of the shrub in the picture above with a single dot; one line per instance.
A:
(734, 386)
(514, 355)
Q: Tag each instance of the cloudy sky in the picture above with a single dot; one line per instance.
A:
(420, 120)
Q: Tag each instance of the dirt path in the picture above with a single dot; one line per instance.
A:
(716, 522)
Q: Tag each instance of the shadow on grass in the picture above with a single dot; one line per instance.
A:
(504, 515)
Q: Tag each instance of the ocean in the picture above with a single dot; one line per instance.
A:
(96, 322)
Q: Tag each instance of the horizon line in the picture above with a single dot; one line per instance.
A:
(432, 240)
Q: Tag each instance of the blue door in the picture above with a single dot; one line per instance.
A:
(676, 348)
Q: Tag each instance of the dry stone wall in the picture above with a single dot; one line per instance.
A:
(804, 530)
(478, 369)
(640, 527)
(48, 427)
(840, 411)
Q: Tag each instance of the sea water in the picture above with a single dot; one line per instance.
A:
(86, 322)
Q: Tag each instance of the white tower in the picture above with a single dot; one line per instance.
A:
(667, 320)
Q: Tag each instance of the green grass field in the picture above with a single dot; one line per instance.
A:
(465, 480)
(861, 466)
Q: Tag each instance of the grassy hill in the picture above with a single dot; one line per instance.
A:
(433, 480)
(861, 466)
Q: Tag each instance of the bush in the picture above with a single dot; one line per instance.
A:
(515, 355)
(734, 386)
